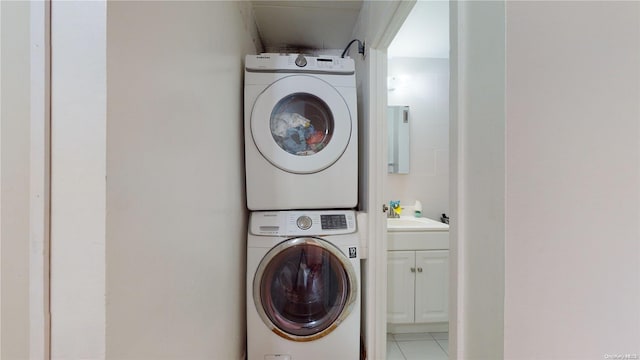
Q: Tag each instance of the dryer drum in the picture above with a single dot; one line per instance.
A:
(301, 124)
(305, 287)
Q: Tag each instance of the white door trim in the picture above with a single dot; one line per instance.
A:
(0, 187)
(376, 313)
(78, 178)
(456, 272)
(377, 264)
(39, 191)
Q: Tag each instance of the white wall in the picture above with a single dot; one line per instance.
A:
(423, 85)
(176, 213)
(14, 179)
(573, 168)
(148, 208)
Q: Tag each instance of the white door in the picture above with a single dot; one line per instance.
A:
(432, 286)
(301, 124)
(400, 287)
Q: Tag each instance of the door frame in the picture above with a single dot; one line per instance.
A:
(377, 264)
(40, 181)
(376, 269)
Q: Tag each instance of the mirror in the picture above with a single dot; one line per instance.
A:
(398, 142)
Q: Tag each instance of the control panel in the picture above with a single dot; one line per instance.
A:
(295, 223)
(299, 63)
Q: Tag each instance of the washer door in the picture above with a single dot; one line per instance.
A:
(304, 288)
(301, 124)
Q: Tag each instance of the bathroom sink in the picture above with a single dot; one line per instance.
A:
(415, 224)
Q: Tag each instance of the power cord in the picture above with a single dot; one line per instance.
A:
(360, 47)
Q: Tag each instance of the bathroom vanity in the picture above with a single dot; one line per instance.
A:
(417, 275)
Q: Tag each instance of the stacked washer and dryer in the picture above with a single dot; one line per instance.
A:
(301, 155)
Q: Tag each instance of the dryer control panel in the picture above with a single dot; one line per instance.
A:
(298, 222)
(268, 62)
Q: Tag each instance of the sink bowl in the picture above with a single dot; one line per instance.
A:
(415, 224)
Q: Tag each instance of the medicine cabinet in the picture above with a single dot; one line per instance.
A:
(398, 142)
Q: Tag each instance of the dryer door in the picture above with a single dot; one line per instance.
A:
(301, 124)
(304, 288)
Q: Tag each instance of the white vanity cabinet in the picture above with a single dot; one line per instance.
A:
(401, 287)
(417, 273)
(417, 286)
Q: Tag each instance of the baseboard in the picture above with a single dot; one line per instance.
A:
(417, 328)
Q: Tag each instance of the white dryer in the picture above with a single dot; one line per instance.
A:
(303, 286)
(301, 138)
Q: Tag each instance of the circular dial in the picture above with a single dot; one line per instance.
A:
(304, 222)
(301, 61)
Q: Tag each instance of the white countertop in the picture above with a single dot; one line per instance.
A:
(410, 223)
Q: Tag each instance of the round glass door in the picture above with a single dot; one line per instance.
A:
(303, 288)
(301, 124)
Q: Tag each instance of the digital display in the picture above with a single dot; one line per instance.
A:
(328, 60)
(332, 222)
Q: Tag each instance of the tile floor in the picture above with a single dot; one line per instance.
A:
(420, 346)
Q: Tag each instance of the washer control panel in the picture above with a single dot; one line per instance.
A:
(293, 223)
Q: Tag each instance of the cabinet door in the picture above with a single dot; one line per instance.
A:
(432, 286)
(400, 286)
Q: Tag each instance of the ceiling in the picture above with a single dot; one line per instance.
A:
(425, 32)
(296, 25)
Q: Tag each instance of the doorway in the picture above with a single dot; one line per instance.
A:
(477, 186)
(418, 177)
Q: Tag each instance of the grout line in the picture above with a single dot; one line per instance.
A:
(408, 341)
(397, 343)
(414, 340)
(430, 338)
(446, 351)
(401, 352)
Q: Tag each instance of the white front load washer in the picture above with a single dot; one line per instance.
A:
(303, 286)
(301, 137)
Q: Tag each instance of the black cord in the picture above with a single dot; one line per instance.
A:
(360, 47)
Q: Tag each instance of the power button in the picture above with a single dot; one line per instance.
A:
(304, 222)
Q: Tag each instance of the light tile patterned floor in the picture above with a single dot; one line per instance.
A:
(419, 346)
